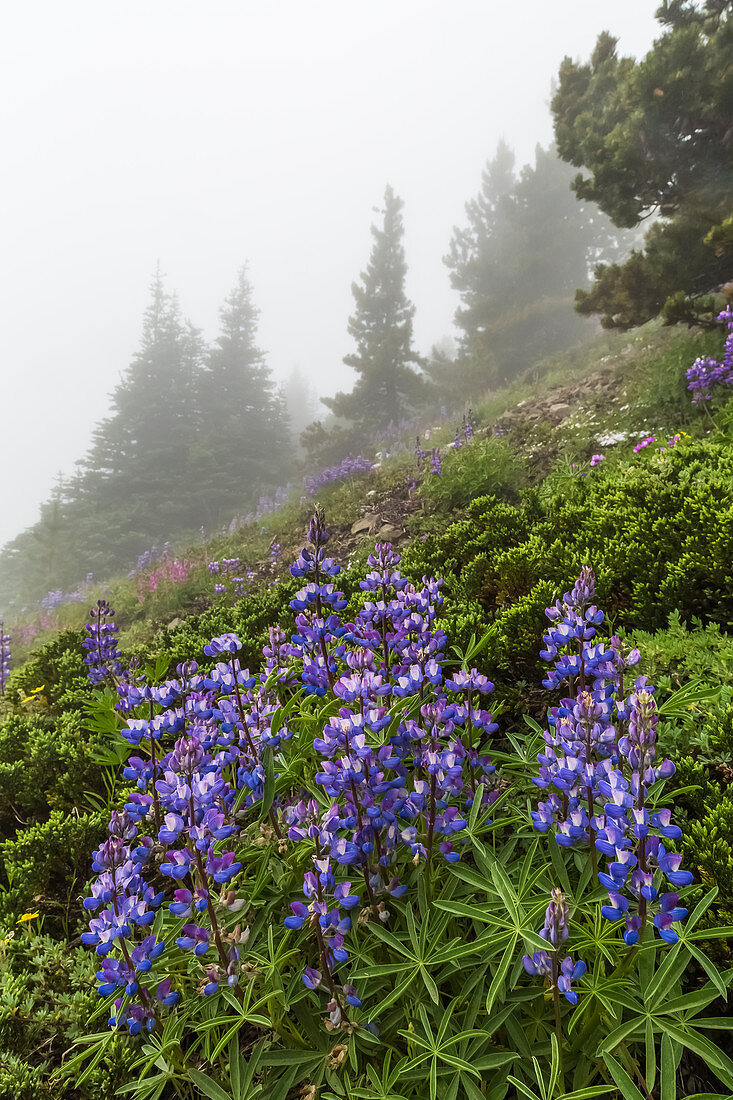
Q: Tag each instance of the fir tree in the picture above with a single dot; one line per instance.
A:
(387, 387)
(244, 444)
(134, 481)
(300, 403)
(526, 246)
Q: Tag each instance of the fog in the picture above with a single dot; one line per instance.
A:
(203, 134)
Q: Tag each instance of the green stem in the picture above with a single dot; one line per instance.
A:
(558, 1020)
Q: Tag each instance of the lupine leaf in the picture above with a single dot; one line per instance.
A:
(496, 988)
(626, 1086)
(524, 1089)
(208, 1087)
(712, 971)
(650, 1049)
(711, 1054)
(668, 1070)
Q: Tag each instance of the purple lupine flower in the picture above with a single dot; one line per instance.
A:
(328, 926)
(347, 468)
(707, 373)
(103, 659)
(560, 971)
(634, 850)
(201, 770)
(4, 657)
(436, 462)
(594, 801)
(555, 928)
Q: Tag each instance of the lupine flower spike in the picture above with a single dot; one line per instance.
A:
(200, 777)
(599, 764)
(4, 657)
(102, 659)
(559, 969)
(707, 373)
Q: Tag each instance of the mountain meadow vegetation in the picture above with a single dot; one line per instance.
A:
(391, 759)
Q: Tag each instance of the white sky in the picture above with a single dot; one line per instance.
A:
(209, 132)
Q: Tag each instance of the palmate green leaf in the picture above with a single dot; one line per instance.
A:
(97, 1045)
(626, 1086)
(686, 699)
(436, 1048)
(612, 993)
(391, 997)
(697, 913)
(474, 912)
(629, 1027)
(534, 726)
(150, 1088)
(718, 979)
(518, 1037)
(471, 1091)
(303, 1058)
(505, 889)
(279, 1089)
(378, 970)
(555, 1066)
(475, 649)
(494, 1060)
(712, 1055)
(496, 989)
(724, 932)
(687, 1002)
(673, 966)
(523, 1089)
(235, 1064)
(207, 1086)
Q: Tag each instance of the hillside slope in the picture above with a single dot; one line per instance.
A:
(515, 513)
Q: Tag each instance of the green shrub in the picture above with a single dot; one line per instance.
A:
(47, 997)
(45, 763)
(56, 671)
(47, 864)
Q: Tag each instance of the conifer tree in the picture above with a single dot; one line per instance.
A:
(527, 245)
(300, 402)
(655, 140)
(193, 437)
(133, 485)
(387, 387)
(244, 445)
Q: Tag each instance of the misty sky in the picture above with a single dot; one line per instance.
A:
(203, 133)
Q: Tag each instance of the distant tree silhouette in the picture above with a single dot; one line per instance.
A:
(387, 387)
